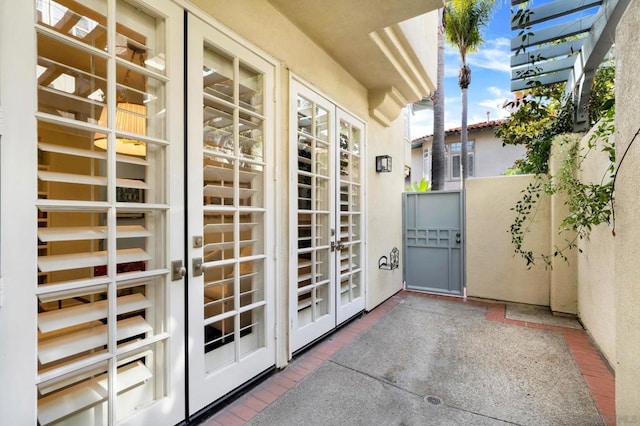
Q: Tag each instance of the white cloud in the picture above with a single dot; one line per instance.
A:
(451, 62)
(493, 54)
(497, 92)
(495, 102)
(422, 123)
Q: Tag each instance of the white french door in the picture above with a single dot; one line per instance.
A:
(231, 286)
(326, 283)
(350, 220)
(109, 217)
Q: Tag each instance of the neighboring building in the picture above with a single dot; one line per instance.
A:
(184, 193)
(487, 156)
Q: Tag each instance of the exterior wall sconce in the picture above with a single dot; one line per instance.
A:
(383, 163)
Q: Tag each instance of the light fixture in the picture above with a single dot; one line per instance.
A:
(130, 118)
(383, 163)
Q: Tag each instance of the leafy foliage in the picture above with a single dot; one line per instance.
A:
(545, 115)
(601, 92)
(589, 204)
(464, 21)
(422, 186)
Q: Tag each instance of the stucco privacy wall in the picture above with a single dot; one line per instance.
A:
(627, 247)
(563, 293)
(265, 27)
(596, 266)
(492, 270)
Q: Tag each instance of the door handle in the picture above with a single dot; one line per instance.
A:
(178, 271)
(336, 246)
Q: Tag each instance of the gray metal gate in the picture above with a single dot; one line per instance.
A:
(433, 241)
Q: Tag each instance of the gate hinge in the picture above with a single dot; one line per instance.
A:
(1, 121)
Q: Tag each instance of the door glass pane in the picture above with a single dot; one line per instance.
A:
(71, 81)
(313, 210)
(250, 96)
(252, 331)
(350, 207)
(321, 300)
(233, 201)
(101, 217)
(87, 26)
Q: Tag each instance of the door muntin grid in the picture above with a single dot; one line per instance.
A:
(102, 212)
(234, 296)
(350, 213)
(313, 211)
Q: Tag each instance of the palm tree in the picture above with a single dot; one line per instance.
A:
(465, 18)
(437, 147)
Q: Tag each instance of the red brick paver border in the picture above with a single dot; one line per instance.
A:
(599, 379)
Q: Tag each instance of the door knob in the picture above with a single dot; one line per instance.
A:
(178, 271)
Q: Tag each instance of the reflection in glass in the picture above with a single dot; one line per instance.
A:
(233, 201)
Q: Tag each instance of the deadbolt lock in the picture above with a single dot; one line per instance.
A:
(196, 264)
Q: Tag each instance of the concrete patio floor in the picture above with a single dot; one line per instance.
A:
(429, 360)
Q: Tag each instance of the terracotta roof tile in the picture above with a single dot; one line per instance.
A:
(476, 126)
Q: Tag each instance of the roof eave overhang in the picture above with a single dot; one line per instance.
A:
(368, 39)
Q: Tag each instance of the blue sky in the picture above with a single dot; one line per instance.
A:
(490, 78)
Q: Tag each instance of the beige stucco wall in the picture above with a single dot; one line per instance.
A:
(627, 247)
(492, 270)
(384, 211)
(491, 158)
(299, 55)
(419, 32)
(265, 27)
(563, 293)
(596, 267)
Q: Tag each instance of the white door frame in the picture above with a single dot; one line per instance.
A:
(19, 157)
(206, 388)
(299, 336)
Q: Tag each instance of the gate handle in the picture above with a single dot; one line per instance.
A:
(458, 238)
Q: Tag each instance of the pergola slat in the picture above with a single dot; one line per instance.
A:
(544, 80)
(547, 52)
(545, 67)
(556, 9)
(554, 32)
